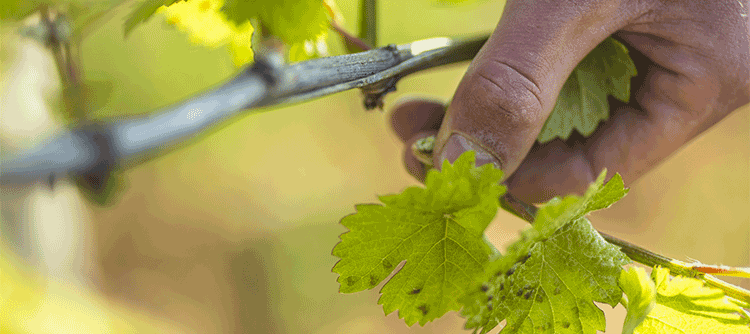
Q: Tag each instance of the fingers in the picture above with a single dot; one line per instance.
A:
(637, 137)
(414, 115)
(631, 143)
(674, 99)
(688, 80)
(550, 170)
(412, 120)
(512, 85)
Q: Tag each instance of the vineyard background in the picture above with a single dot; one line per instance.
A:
(235, 232)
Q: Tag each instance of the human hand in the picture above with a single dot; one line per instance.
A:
(693, 62)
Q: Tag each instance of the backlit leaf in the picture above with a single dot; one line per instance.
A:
(437, 230)
(548, 280)
(582, 102)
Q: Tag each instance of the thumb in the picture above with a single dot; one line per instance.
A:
(512, 84)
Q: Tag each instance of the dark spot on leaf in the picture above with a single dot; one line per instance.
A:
(489, 307)
(498, 273)
(387, 265)
(351, 280)
(510, 271)
(523, 259)
(539, 328)
(484, 287)
(519, 293)
(539, 298)
(528, 294)
(424, 308)
(502, 286)
(566, 324)
(526, 287)
(374, 280)
(557, 291)
(489, 298)
(415, 291)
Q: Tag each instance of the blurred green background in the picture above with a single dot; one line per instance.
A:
(234, 232)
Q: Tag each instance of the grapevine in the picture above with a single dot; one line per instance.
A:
(429, 240)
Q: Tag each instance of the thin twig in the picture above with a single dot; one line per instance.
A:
(53, 44)
(676, 267)
(72, 66)
(453, 52)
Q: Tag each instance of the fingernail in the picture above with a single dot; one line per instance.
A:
(458, 144)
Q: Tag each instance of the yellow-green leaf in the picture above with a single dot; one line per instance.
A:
(437, 230)
(582, 102)
(641, 296)
(685, 305)
(549, 278)
(207, 25)
(301, 24)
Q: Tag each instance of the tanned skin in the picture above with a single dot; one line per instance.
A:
(693, 62)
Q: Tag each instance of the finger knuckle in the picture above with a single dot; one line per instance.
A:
(510, 94)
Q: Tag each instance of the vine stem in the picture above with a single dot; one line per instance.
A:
(423, 152)
(124, 143)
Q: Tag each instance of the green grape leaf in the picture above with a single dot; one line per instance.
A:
(143, 12)
(437, 230)
(685, 305)
(205, 24)
(301, 24)
(641, 297)
(293, 21)
(548, 279)
(582, 102)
